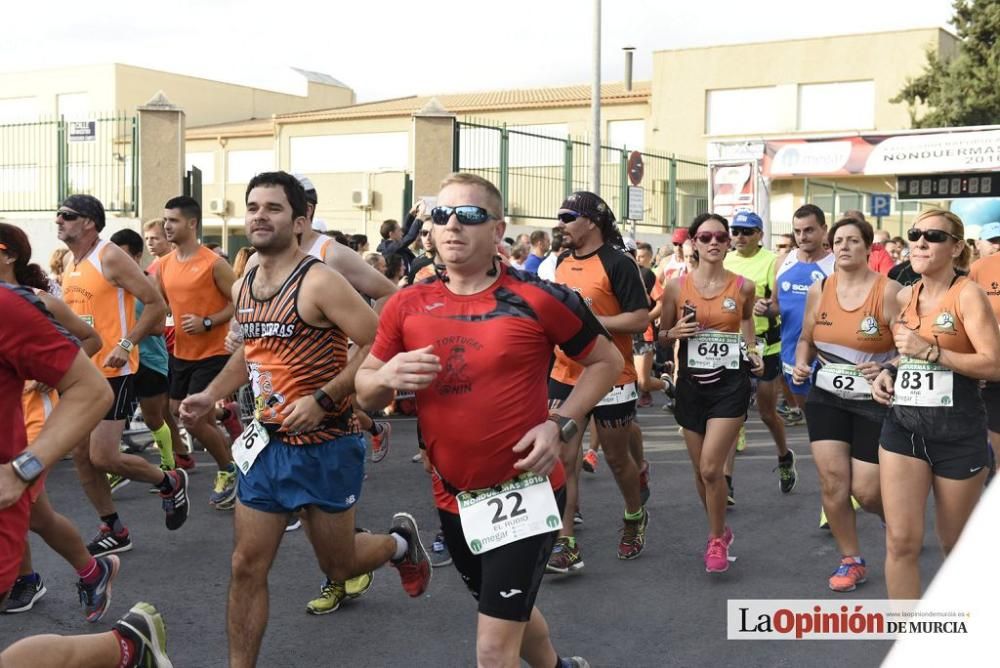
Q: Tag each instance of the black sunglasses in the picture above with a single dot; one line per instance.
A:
(68, 215)
(932, 236)
(425, 233)
(743, 231)
(467, 214)
(568, 217)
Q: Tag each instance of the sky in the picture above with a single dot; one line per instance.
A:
(394, 48)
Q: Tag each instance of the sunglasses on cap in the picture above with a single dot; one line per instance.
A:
(932, 236)
(706, 237)
(568, 217)
(743, 231)
(467, 214)
(68, 216)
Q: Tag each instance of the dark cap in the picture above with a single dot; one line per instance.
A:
(87, 205)
(591, 206)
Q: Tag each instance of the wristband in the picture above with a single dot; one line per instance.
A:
(324, 401)
(891, 368)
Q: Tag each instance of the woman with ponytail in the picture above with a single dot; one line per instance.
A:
(37, 402)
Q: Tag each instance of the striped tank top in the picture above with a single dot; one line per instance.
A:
(288, 359)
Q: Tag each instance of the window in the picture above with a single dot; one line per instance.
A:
(18, 109)
(244, 165)
(73, 106)
(845, 105)
(205, 161)
(366, 152)
(736, 111)
(630, 134)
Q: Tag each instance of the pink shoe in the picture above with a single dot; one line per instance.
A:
(728, 537)
(716, 556)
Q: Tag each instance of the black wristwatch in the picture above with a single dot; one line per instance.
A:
(324, 400)
(27, 467)
(207, 323)
(568, 427)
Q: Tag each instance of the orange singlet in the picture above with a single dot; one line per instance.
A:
(288, 359)
(857, 335)
(107, 308)
(723, 314)
(190, 289)
(947, 325)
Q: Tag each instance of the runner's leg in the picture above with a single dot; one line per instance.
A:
(767, 407)
(906, 482)
(954, 501)
(709, 453)
(341, 552)
(834, 466)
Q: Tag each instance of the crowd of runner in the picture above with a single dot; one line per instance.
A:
(888, 350)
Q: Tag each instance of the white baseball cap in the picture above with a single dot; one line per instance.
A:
(319, 224)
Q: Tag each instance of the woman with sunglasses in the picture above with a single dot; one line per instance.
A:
(934, 435)
(710, 312)
(846, 330)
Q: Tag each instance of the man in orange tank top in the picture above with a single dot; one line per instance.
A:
(302, 451)
(197, 284)
(986, 272)
(101, 285)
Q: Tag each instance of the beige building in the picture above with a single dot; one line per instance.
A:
(80, 93)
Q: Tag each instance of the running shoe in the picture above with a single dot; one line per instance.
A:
(645, 400)
(823, 523)
(414, 568)
(787, 475)
(741, 440)
(851, 572)
(293, 524)
(782, 408)
(440, 556)
(573, 662)
(417, 458)
(24, 594)
(564, 557)
(358, 586)
(577, 518)
(633, 537)
(793, 417)
(728, 537)
(231, 420)
(590, 461)
(331, 595)
(380, 441)
(855, 504)
(224, 493)
(669, 391)
(96, 598)
(730, 492)
(144, 626)
(185, 462)
(108, 542)
(644, 482)
(717, 555)
(175, 502)
(117, 482)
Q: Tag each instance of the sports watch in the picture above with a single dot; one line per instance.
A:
(568, 427)
(126, 345)
(324, 400)
(27, 467)
(207, 323)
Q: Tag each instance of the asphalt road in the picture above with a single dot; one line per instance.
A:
(660, 610)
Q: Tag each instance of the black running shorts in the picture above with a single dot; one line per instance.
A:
(772, 368)
(953, 458)
(612, 416)
(191, 377)
(150, 383)
(504, 580)
(991, 397)
(831, 423)
(124, 389)
(696, 404)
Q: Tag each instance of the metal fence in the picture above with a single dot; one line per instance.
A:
(42, 162)
(535, 171)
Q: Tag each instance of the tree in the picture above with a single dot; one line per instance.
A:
(964, 89)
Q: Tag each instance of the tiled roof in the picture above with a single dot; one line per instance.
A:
(483, 101)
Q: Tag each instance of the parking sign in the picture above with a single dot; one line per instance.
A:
(880, 204)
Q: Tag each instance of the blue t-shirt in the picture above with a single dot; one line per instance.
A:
(152, 349)
(532, 263)
(793, 280)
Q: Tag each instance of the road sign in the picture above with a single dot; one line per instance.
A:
(636, 169)
(636, 202)
(880, 204)
(82, 130)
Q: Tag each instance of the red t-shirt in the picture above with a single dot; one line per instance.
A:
(879, 259)
(32, 347)
(494, 348)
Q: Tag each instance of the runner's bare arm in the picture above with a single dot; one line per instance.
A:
(90, 340)
(122, 271)
(981, 327)
(672, 329)
(364, 277)
(224, 279)
(601, 368)
(632, 322)
(748, 327)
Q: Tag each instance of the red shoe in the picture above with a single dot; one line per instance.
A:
(185, 462)
(231, 421)
(590, 461)
(380, 442)
(415, 566)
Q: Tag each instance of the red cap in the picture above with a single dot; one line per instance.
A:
(680, 235)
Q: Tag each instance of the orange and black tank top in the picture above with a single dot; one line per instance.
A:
(945, 325)
(856, 335)
(720, 315)
(104, 306)
(190, 289)
(287, 358)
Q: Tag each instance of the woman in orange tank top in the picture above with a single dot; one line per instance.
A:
(710, 312)
(935, 432)
(847, 327)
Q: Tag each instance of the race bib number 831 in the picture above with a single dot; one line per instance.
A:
(923, 384)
